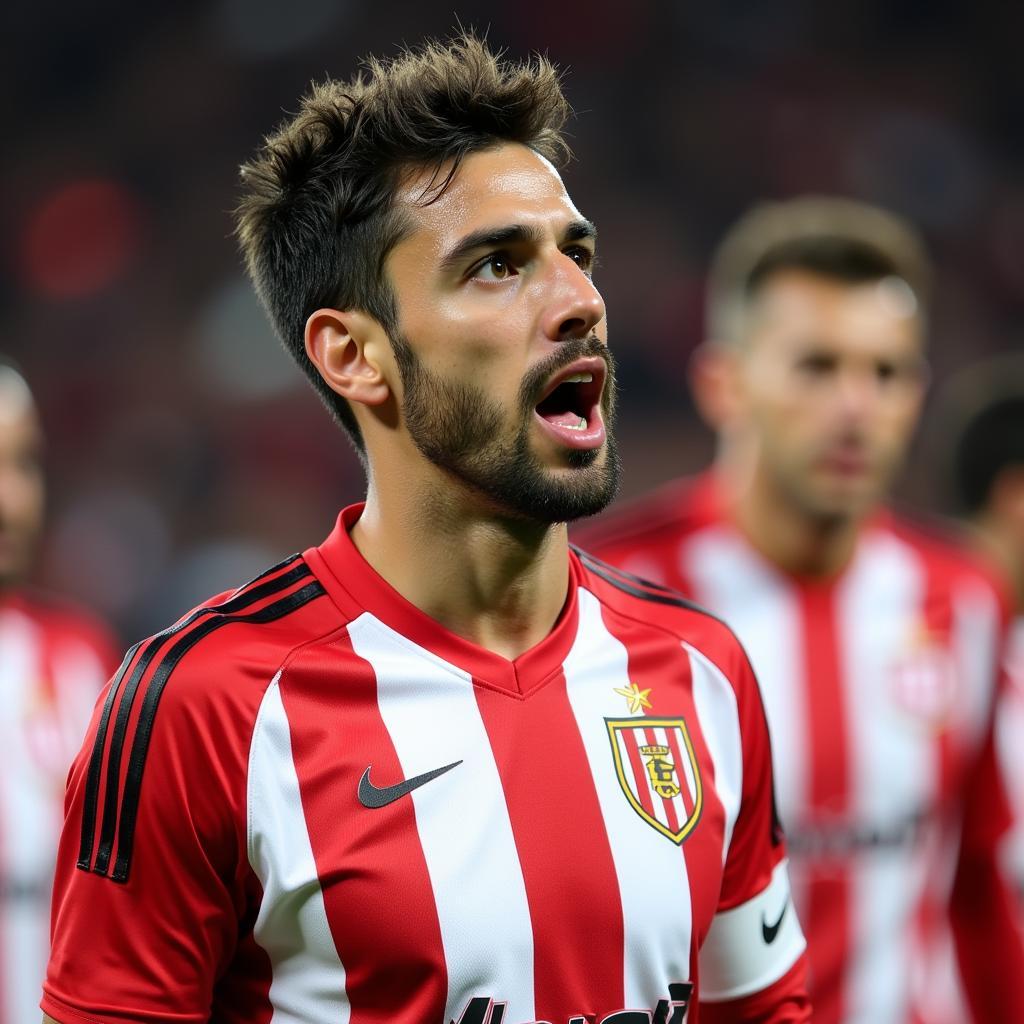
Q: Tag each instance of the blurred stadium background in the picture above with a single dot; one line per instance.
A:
(186, 452)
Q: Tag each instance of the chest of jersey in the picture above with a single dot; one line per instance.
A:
(876, 688)
(424, 838)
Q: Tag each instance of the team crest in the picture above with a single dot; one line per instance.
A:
(658, 772)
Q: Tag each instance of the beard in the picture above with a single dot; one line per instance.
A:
(459, 428)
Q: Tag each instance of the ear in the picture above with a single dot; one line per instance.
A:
(714, 383)
(347, 348)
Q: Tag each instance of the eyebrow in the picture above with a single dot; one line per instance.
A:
(513, 234)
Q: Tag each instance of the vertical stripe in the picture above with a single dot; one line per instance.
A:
(761, 607)
(308, 978)
(576, 913)
(391, 947)
(894, 766)
(718, 716)
(657, 921)
(826, 917)
(431, 714)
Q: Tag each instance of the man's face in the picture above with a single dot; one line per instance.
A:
(507, 382)
(21, 478)
(830, 382)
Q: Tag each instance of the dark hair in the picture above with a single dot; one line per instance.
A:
(317, 219)
(983, 413)
(841, 239)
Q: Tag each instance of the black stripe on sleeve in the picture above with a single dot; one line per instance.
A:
(637, 586)
(92, 782)
(242, 598)
(595, 563)
(143, 732)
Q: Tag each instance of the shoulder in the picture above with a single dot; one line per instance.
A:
(236, 641)
(657, 608)
(61, 615)
(181, 709)
(945, 549)
(652, 520)
(65, 621)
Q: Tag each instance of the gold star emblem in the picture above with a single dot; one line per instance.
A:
(637, 698)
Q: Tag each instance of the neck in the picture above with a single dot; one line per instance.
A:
(497, 582)
(791, 538)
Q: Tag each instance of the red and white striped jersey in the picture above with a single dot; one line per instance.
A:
(1010, 739)
(879, 688)
(308, 802)
(53, 664)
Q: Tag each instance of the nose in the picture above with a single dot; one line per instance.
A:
(576, 306)
(858, 394)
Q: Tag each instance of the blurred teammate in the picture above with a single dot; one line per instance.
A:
(875, 643)
(53, 663)
(412, 775)
(984, 423)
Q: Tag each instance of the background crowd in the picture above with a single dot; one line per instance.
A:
(185, 451)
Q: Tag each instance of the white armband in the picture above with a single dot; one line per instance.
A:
(751, 946)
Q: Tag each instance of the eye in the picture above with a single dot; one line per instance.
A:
(583, 256)
(816, 364)
(497, 267)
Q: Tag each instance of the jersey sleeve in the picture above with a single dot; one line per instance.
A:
(152, 880)
(752, 963)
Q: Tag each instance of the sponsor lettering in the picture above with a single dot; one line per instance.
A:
(485, 1010)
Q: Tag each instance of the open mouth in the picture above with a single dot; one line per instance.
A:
(570, 408)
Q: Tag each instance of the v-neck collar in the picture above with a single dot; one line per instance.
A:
(351, 580)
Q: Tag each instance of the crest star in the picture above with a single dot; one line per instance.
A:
(637, 698)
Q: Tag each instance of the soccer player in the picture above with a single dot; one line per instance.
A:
(436, 768)
(875, 641)
(985, 423)
(54, 661)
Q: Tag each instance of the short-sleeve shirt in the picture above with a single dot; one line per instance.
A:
(308, 802)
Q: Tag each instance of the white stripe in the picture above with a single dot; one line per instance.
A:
(430, 711)
(657, 920)
(308, 978)
(720, 724)
(879, 610)
(736, 958)
(760, 607)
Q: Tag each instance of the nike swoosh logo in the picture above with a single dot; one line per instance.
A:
(770, 931)
(380, 796)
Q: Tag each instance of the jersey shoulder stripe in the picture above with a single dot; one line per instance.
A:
(287, 586)
(637, 586)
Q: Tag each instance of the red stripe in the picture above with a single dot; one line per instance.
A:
(379, 852)
(578, 941)
(827, 916)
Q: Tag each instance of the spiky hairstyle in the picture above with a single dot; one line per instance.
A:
(317, 218)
